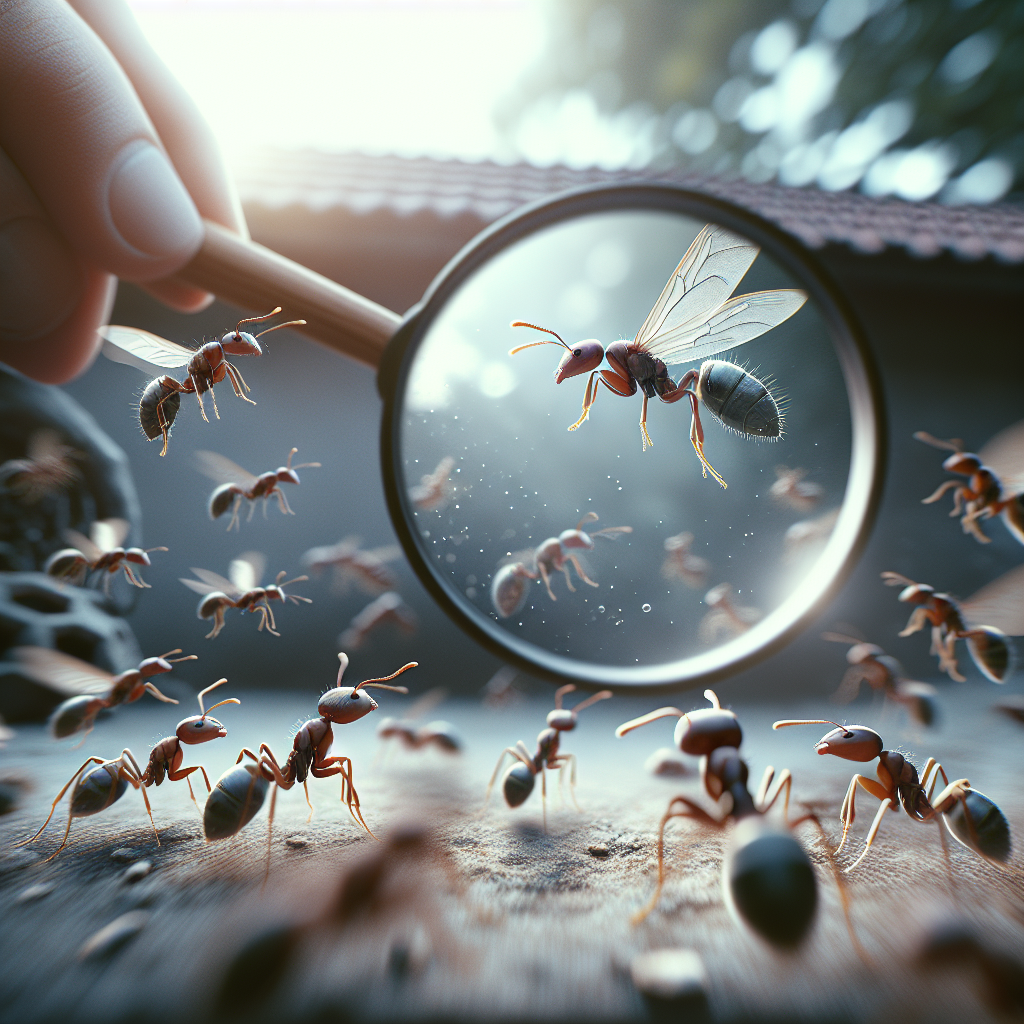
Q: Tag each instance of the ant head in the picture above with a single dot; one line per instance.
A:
(853, 743)
(344, 704)
(240, 343)
(860, 653)
(285, 475)
(576, 539)
(581, 358)
(137, 556)
(917, 593)
(562, 719)
(165, 663)
(963, 463)
(199, 729)
(718, 596)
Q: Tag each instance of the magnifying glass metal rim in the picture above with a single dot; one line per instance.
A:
(867, 463)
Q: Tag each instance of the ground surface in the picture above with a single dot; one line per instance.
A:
(497, 919)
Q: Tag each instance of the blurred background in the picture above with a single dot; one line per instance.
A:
(371, 140)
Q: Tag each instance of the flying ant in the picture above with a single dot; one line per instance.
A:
(870, 664)
(415, 737)
(241, 591)
(725, 617)
(237, 484)
(999, 604)
(971, 818)
(239, 792)
(680, 562)
(790, 488)
(96, 690)
(48, 468)
(767, 879)
(206, 366)
(693, 317)
(389, 607)
(96, 788)
(995, 484)
(366, 568)
(517, 783)
(101, 553)
(435, 490)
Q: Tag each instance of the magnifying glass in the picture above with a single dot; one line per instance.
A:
(679, 497)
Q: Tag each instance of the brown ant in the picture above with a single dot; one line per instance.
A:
(103, 553)
(47, 468)
(791, 489)
(68, 673)
(389, 607)
(725, 617)
(96, 788)
(870, 664)
(517, 783)
(1000, 602)
(237, 484)
(971, 818)
(435, 490)
(367, 568)
(415, 737)
(681, 563)
(768, 879)
(206, 366)
(242, 591)
(995, 483)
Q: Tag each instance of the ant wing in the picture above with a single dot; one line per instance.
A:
(246, 571)
(706, 276)
(108, 534)
(64, 673)
(86, 546)
(141, 349)
(388, 553)
(999, 604)
(210, 581)
(46, 444)
(739, 320)
(222, 470)
(1004, 455)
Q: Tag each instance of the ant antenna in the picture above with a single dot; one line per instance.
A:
(954, 444)
(807, 721)
(560, 692)
(343, 658)
(895, 579)
(277, 327)
(301, 465)
(532, 344)
(713, 697)
(593, 699)
(651, 716)
(378, 684)
(213, 686)
(841, 638)
(590, 517)
(177, 650)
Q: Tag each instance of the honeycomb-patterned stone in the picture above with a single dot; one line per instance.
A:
(37, 611)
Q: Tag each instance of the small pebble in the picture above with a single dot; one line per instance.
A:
(296, 842)
(113, 936)
(36, 892)
(16, 860)
(670, 974)
(666, 762)
(136, 872)
(123, 855)
(598, 850)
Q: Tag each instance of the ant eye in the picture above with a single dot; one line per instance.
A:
(576, 352)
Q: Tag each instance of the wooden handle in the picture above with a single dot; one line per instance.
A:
(255, 278)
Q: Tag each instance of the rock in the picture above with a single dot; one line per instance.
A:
(297, 842)
(123, 855)
(670, 975)
(36, 892)
(667, 763)
(598, 850)
(136, 872)
(113, 936)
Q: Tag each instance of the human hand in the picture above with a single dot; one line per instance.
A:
(106, 166)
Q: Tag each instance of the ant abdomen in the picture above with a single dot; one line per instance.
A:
(981, 826)
(518, 784)
(770, 883)
(234, 801)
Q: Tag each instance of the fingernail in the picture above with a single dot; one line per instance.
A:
(40, 280)
(149, 206)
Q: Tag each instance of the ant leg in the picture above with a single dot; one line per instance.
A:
(184, 773)
(569, 761)
(547, 580)
(494, 777)
(644, 436)
(849, 810)
(236, 378)
(690, 810)
(305, 789)
(764, 802)
(948, 485)
(282, 502)
(136, 780)
(916, 623)
(970, 525)
(565, 573)
(199, 397)
(589, 398)
(544, 796)
(579, 571)
(885, 805)
(270, 835)
(234, 512)
(697, 440)
(74, 778)
(218, 623)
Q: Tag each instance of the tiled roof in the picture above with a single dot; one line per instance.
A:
(448, 188)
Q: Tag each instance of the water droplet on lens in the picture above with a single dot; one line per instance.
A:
(600, 608)
(645, 608)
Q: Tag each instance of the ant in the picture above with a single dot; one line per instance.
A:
(98, 787)
(869, 663)
(47, 468)
(971, 818)
(791, 489)
(994, 482)
(78, 713)
(206, 366)
(367, 568)
(102, 553)
(413, 737)
(389, 607)
(237, 484)
(680, 562)
(517, 783)
(987, 645)
(768, 879)
(242, 591)
(725, 617)
(435, 490)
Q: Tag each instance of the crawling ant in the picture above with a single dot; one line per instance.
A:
(1000, 603)
(971, 818)
(693, 317)
(415, 737)
(517, 783)
(96, 788)
(389, 607)
(238, 485)
(870, 664)
(48, 468)
(242, 591)
(435, 490)
(367, 568)
(995, 481)
(97, 690)
(231, 805)
(768, 879)
(102, 553)
(790, 488)
(206, 366)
